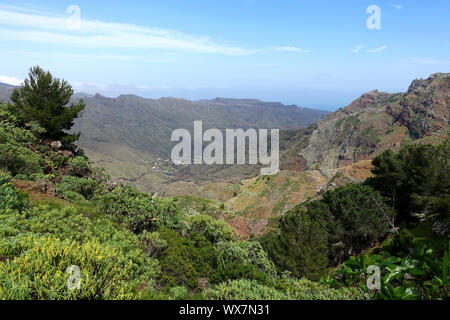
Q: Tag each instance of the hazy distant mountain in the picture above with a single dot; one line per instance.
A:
(5, 91)
(146, 124)
(130, 135)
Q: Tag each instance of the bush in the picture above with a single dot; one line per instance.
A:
(73, 196)
(79, 165)
(355, 217)
(10, 197)
(422, 274)
(304, 289)
(178, 293)
(183, 261)
(214, 230)
(243, 289)
(70, 185)
(40, 272)
(34, 258)
(19, 160)
(246, 260)
(139, 211)
(300, 247)
(416, 180)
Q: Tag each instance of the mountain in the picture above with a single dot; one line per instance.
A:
(5, 91)
(374, 122)
(130, 135)
(338, 149)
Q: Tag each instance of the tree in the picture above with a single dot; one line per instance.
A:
(301, 246)
(355, 217)
(45, 99)
(416, 180)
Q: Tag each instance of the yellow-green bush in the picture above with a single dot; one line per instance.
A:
(40, 271)
(243, 289)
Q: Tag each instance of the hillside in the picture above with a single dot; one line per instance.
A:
(372, 123)
(338, 149)
(5, 92)
(67, 231)
(130, 135)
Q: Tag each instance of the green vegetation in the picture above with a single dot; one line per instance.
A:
(416, 180)
(45, 99)
(323, 233)
(57, 211)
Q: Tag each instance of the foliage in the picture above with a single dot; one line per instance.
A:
(70, 186)
(301, 245)
(139, 211)
(304, 289)
(214, 230)
(183, 261)
(243, 289)
(416, 180)
(10, 197)
(418, 275)
(80, 166)
(287, 288)
(245, 259)
(45, 99)
(18, 160)
(39, 272)
(34, 256)
(15, 157)
(355, 217)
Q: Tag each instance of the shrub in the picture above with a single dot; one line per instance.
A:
(32, 251)
(139, 211)
(70, 185)
(416, 180)
(40, 272)
(152, 242)
(10, 197)
(245, 259)
(304, 289)
(300, 247)
(79, 165)
(214, 230)
(355, 217)
(243, 289)
(73, 196)
(182, 262)
(19, 160)
(178, 293)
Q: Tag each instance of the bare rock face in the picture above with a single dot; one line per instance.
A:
(56, 145)
(426, 106)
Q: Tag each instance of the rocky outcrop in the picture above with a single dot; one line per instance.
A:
(377, 121)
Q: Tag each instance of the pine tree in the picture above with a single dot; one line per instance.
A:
(45, 99)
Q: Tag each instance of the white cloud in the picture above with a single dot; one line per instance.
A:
(18, 24)
(143, 87)
(376, 50)
(291, 49)
(396, 6)
(357, 49)
(11, 80)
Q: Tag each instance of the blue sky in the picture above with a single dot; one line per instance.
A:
(317, 54)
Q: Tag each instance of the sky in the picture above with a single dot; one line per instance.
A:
(318, 54)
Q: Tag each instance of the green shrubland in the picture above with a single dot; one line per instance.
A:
(132, 245)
